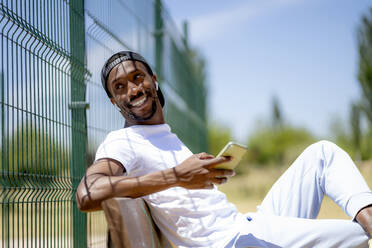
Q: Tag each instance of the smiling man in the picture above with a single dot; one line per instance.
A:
(145, 159)
(132, 84)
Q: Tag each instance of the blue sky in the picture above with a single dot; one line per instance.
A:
(302, 51)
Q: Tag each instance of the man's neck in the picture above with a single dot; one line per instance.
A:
(129, 124)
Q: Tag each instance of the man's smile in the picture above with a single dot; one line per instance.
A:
(138, 100)
(142, 105)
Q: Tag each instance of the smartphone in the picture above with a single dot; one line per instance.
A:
(236, 151)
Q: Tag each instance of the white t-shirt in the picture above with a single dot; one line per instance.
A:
(188, 218)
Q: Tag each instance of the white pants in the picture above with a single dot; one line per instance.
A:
(286, 216)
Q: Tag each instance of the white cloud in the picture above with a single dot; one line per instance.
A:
(210, 26)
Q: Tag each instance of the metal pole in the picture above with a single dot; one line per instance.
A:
(78, 115)
(158, 35)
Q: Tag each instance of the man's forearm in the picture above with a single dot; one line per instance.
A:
(94, 188)
(103, 180)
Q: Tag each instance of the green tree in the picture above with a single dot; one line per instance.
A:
(268, 145)
(341, 135)
(277, 142)
(350, 136)
(277, 118)
(366, 147)
(364, 36)
(218, 136)
(356, 131)
(33, 156)
(365, 63)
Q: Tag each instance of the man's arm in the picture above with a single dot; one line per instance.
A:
(104, 180)
(364, 218)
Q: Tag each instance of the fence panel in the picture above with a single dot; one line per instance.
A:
(36, 125)
(185, 90)
(110, 27)
(52, 52)
(145, 27)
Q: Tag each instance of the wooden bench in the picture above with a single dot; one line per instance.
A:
(131, 225)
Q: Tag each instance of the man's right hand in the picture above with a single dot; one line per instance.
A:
(197, 172)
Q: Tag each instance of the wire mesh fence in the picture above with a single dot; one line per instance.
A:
(36, 127)
(52, 52)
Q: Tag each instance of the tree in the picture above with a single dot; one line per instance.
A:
(355, 129)
(365, 63)
(268, 145)
(218, 137)
(341, 135)
(276, 113)
(33, 157)
(365, 79)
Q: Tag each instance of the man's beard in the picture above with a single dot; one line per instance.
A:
(129, 114)
(135, 117)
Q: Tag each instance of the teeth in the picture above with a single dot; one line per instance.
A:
(138, 103)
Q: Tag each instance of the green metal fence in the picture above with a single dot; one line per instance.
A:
(54, 112)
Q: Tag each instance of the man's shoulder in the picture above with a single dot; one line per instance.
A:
(122, 134)
(116, 133)
(117, 145)
(113, 136)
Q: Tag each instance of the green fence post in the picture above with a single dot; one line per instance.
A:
(4, 201)
(158, 35)
(78, 115)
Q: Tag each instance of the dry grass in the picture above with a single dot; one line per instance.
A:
(248, 190)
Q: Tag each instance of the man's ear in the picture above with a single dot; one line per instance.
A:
(154, 79)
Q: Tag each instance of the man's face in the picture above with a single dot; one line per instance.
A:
(133, 91)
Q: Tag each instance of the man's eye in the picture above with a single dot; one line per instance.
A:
(138, 76)
(119, 86)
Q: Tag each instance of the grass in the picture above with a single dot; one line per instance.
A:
(248, 190)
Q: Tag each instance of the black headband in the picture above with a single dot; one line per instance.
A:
(118, 58)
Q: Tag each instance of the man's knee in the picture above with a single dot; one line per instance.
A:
(328, 153)
(324, 144)
(319, 153)
(323, 148)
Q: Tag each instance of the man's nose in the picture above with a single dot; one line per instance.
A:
(133, 88)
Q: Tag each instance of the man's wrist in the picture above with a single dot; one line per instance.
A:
(172, 177)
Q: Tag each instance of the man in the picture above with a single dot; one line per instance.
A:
(144, 159)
